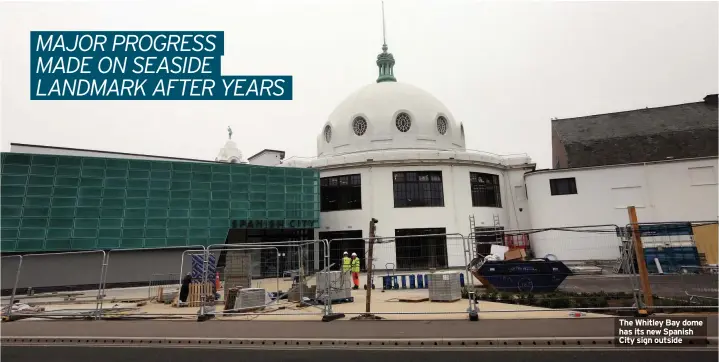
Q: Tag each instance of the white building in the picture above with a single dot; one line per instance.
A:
(394, 152)
(661, 191)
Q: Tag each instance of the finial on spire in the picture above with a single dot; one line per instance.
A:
(229, 131)
(384, 30)
(385, 60)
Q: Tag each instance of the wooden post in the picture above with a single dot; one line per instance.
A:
(641, 262)
(370, 253)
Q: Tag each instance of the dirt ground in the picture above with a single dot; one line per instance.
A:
(384, 303)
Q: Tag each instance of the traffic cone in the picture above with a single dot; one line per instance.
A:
(218, 284)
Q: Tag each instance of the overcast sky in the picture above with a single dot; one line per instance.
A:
(504, 68)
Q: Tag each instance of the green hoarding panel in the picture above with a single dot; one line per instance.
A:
(64, 203)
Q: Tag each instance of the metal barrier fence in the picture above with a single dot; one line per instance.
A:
(37, 268)
(414, 276)
(113, 312)
(269, 264)
(162, 282)
(11, 300)
(402, 265)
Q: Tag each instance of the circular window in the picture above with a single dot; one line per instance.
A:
(441, 125)
(328, 133)
(403, 122)
(359, 126)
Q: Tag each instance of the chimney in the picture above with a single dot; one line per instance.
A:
(711, 99)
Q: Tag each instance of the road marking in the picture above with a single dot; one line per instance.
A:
(565, 342)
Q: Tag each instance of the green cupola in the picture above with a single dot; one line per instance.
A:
(385, 60)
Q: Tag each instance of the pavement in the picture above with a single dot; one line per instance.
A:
(387, 304)
(179, 354)
(340, 329)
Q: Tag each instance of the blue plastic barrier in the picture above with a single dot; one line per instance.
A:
(411, 281)
(461, 280)
(404, 282)
(198, 265)
(420, 281)
(426, 280)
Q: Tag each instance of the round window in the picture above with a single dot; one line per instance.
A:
(359, 126)
(328, 133)
(441, 125)
(403, 122)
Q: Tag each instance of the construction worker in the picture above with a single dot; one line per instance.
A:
(355, 270)
(346, 263)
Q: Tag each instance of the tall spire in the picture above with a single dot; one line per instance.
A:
(385, 60)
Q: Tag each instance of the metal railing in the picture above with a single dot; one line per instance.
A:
(446, 264)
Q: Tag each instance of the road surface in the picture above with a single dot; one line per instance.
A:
(341, 329)
(155, 354)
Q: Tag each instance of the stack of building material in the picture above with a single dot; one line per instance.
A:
(198, 291)
(444, 286)
(250, 298)
(238, 270)
(231, 297)
(335, 284)
(297, 292)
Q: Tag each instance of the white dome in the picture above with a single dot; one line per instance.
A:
(230, 153)
(390, 115)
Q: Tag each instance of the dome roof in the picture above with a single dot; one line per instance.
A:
(230, 153)
(390, 115)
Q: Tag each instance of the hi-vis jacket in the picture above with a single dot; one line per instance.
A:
(346, 264)
(355, 265)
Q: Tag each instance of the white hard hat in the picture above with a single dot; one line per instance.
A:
(354, 254)
(345, 253)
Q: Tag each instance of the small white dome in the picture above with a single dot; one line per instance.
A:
(390, 115)
(230, 153)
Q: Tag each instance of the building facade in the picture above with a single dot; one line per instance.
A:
(390, 151)
(63, 203)
(644, 135)
(394, 152)
(664, 191)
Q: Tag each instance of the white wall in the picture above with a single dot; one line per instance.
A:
(378, 202)
(681, 190)
(266, 158)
